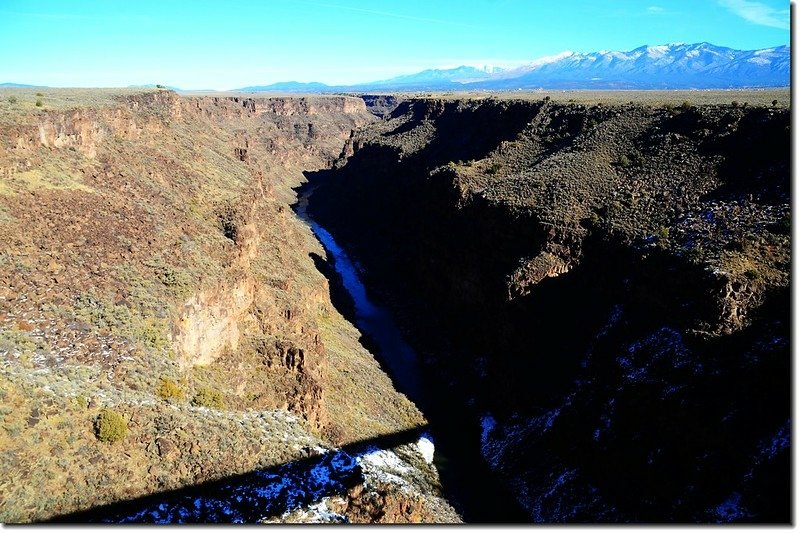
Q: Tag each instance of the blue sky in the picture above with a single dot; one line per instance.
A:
(223, 44)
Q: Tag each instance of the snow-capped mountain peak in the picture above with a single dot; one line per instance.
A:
(673, 65)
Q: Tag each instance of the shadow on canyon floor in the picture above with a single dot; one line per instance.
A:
(467, 481)
(250, 497)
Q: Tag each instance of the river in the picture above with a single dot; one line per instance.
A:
(470, 486)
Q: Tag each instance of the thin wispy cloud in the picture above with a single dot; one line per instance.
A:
(387, 14)
(655, 10)
(758, 13)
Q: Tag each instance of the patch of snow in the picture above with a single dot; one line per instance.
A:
(550, 417)
(383, 459)
(426, 447)
(731, 509)
(616, 313)
(657, 51)
(488, 423)
(319, 513)
(320, 476)
(779, 442)
(549, 59)
(552, 491)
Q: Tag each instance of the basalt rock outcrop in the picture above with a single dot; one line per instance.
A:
(604, 287)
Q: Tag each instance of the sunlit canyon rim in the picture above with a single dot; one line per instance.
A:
(385, 309)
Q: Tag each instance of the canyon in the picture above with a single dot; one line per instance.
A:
(590, 302)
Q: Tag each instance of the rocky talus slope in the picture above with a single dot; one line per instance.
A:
(605, 288)
(150, 264)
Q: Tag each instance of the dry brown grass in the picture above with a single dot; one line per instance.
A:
(62, 99)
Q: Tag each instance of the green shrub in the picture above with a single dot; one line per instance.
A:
(624, 161)
(206, 397)
(168, 389)
(110, 426)
(39, 94)
(150, 332)
(174, 278)
(38, 102)
(494, 169)
(614, 209)
(82, 401)
(752, 274)
(12, 99)
(695, 255)
(662, 233)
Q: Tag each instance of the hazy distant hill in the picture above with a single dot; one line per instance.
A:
(19, 85)
(154, 86)
(289, 86)
(436, 78)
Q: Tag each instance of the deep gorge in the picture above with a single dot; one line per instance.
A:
(590, 302)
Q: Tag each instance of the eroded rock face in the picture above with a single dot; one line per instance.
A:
(608, 285)
(151, 264)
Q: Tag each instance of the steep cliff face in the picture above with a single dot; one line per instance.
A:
(150, 264)
(605, 286)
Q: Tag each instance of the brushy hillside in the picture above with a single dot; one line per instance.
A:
(151, 268)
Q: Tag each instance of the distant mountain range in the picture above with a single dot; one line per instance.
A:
(669, 66)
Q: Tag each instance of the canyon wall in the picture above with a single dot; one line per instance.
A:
(150, 265)
(604, 288)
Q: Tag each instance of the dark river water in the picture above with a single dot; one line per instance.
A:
(398, 359)
(467, 481)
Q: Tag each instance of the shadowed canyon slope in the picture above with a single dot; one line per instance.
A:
(604, 287)
(150, 265)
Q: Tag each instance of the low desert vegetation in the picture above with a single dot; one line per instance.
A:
(207, 397)
(169, 390)
(110, 426)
